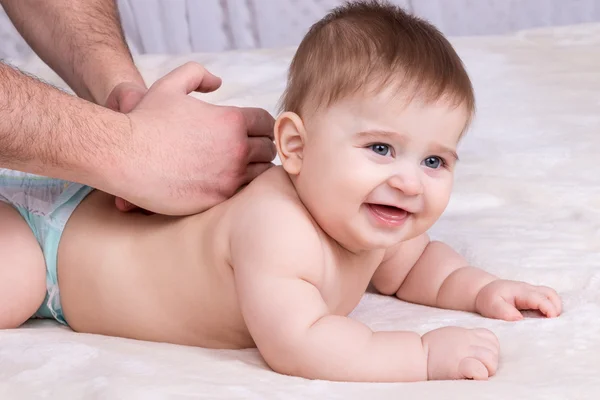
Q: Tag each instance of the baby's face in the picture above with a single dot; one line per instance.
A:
(376, 171)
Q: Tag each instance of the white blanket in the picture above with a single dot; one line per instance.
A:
(526, 206)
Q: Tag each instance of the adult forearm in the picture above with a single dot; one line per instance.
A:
(46, 131)
(81, 40)
(340, 349)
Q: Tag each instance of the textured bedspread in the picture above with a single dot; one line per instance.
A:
(526, 206)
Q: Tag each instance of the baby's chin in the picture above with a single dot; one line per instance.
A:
(386, 241)
(372, 240)
(364, 234)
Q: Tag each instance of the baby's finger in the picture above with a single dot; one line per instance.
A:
(488, 358)
(488, 336)
(553, 297)
(535, 301)
(471, 368)
(500, 309)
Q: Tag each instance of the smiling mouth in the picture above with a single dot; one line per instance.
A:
(389, 216)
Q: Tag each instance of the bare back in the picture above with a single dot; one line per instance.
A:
(151, 278)
(171, 279)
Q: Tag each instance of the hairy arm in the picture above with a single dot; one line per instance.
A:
(40, 134)
(81, 40)
(277, 270)
(431, 273)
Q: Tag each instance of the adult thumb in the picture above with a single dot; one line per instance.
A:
(190, 77)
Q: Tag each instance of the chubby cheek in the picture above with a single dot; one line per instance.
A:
(319, 171)
(437, 200)
(334, 172)
(323, 189)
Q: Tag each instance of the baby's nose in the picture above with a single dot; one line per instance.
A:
(408, 182)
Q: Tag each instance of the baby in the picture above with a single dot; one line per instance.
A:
(376, 104)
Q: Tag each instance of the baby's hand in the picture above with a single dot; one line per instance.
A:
(459, 353)
(502, 299)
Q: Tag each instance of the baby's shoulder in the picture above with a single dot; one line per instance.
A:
(272, 221)
(272, 199)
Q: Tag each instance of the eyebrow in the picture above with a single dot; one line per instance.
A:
(378, 134)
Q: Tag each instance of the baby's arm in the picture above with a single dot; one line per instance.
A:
(436, 275)
(277, 267)
(432, 273)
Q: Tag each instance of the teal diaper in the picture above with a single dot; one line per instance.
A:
(46, 204)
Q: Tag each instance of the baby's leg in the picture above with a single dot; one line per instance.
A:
(22, 270)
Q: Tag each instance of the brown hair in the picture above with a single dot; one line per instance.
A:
(371, 44)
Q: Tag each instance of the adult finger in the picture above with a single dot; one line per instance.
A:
(129, 99)
(123, 205)
(188, 78)
(258, 122)
(125, 96)
(261, 150)
(254, 170)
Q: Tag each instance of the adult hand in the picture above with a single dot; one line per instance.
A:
(185, 155)
(123, 98)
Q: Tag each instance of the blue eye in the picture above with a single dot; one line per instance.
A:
(380, 148)
(433, 162)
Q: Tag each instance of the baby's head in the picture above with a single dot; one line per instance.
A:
(376, 103)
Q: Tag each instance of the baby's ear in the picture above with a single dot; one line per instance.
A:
(290, 138)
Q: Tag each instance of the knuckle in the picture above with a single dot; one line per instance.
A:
(263, 115)
(234, 117)
(221, 197)
(230, 180)
(214, 198)
(240, 152)
(223, 188)
(193, 65)
(229, 188)
(200, 70)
